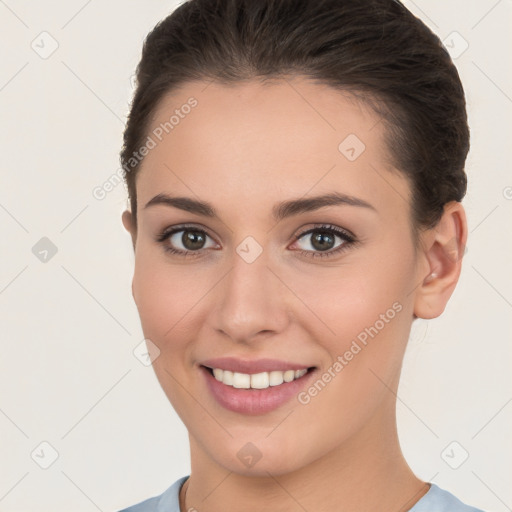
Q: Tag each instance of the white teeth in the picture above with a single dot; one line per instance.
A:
(260, 380)
(241, 380)
(227, 377)
(289, 375)
(275, 378)
(256, 380)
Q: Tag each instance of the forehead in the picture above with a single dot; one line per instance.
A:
(258, 140)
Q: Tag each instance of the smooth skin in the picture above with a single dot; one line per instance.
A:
(243, 149)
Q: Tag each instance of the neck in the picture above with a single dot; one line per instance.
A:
(367, 472)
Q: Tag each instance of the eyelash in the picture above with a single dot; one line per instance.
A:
(349, 240)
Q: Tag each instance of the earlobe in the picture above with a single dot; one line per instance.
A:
(129, 225)
(127, 220)
(444, 253)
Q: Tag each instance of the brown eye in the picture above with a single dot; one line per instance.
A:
(321, 241)
(192, 240)
(185, 240)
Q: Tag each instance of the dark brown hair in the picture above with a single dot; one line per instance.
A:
(374, 49)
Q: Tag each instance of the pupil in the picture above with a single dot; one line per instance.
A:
(322, 241)
(192, 240)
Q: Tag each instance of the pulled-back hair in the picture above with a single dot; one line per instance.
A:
(374, 49)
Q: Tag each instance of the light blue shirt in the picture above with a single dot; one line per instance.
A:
(436, 500)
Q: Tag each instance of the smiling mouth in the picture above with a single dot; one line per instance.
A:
(262, 380)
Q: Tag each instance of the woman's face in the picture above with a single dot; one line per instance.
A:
(252, 285)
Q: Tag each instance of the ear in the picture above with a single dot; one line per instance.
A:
(129, 225)
(443, 246)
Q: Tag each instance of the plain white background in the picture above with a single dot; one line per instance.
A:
(68, 376)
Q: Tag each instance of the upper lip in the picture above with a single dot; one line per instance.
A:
(252, 366)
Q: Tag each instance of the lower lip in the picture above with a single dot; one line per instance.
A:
(254, 401)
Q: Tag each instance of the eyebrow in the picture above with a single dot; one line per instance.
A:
(280, 211)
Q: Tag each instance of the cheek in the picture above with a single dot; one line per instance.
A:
(345, 303)
(163, 297)
(363, 312)
(363, 320)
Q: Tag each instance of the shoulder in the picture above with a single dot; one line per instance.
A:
(168, 501)
(436, 500)
(439, 500)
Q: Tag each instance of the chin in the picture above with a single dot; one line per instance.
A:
(259, 458)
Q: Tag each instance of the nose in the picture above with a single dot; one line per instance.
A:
(251, 302)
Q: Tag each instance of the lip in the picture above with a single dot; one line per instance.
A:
(255, 366)
(254, 401)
